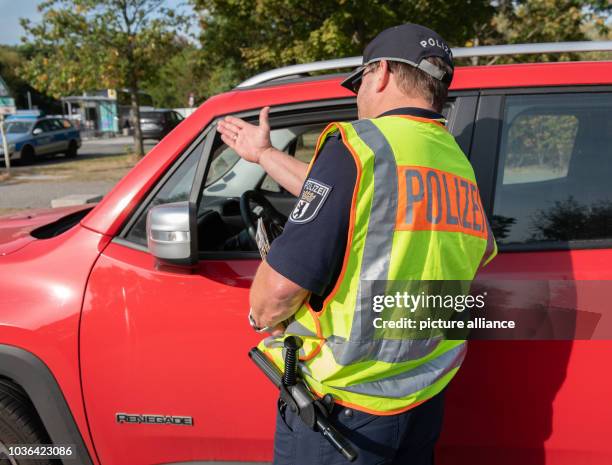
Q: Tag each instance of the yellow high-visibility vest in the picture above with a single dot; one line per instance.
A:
(416, 215)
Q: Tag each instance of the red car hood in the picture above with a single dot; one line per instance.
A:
(15, 228)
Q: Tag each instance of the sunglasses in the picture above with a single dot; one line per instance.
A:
(356, 85)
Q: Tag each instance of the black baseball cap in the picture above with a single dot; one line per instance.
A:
(408, 43)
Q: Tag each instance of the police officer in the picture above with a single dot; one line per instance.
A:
(389, 197)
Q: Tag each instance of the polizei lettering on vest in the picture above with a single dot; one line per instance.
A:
(431, 199)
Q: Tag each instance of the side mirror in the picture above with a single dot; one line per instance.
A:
(169, 234)
(37, 131)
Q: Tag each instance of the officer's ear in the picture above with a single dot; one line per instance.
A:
(383, 75)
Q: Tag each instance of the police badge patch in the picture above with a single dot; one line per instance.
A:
(308, 205)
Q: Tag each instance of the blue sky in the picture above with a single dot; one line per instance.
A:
(12, 10)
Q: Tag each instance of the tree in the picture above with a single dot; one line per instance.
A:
(535, 21)
(92, 44)
(12, 59)
(242, 37)
(179, 77)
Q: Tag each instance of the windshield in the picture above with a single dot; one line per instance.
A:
(18, 127)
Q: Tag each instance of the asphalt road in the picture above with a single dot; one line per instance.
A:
(114, 146)
(28, 189)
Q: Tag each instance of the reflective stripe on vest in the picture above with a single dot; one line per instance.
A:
(416, 215)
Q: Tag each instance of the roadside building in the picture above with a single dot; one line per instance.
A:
(94, 113)
(101, 113)
(7, 103)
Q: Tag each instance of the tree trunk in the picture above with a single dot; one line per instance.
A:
(135, 110)
(475, 60)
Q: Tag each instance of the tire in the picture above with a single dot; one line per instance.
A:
(72, 149)
(28, 155)
(19, 424)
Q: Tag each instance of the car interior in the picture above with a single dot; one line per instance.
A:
(235, 193)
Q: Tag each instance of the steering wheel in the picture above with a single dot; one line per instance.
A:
(272, 218)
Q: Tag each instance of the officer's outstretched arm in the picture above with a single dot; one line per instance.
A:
(253, 144)
(274, 298)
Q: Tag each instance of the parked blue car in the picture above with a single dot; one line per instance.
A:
(30, 138)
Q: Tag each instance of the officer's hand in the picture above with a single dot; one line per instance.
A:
(247, 140)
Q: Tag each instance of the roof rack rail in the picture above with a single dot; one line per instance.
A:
(461, 52)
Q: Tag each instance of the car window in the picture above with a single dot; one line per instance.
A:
(175, 189)
(66, 124)
(18, 127)
(554, 171)
(44, 126)
(228, 177)
(56, 125)
(302, 148)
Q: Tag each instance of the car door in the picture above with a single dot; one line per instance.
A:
(60, 136)
(172, 343)
(543, 164)
(43, 142)
(166, 377)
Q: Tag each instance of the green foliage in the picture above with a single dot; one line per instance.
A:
(536, 21)
(241, 37)
(178, 77)
(96, 44)
(527, 21)
(12, 59)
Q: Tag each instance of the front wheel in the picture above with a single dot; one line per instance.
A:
(72, 149)
(28, 155)
(18, 425)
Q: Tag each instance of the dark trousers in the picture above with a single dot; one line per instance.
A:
(406, 438)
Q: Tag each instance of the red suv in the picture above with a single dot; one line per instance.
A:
(123, 329)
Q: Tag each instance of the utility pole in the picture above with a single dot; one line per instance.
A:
(29, 100)
(7, 155)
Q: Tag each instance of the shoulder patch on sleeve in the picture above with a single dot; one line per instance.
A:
(313, 196)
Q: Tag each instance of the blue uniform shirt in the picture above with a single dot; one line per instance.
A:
(310, 251)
